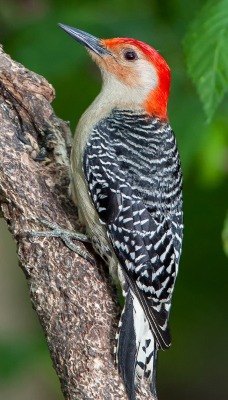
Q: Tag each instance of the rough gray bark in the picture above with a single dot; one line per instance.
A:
(75, 301)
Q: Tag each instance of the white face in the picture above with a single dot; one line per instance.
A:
(127, 81)
(136, 89)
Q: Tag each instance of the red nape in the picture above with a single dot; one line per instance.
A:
(157, 100)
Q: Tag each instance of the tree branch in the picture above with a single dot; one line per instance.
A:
(75, 301)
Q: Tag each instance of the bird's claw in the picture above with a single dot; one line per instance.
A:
(66, 236)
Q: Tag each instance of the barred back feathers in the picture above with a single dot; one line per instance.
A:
(133, 172)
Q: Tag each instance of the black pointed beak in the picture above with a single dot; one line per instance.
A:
(89, 41)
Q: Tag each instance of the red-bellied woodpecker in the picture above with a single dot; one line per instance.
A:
(127, 182)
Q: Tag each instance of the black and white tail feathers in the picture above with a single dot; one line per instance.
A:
(136, 349)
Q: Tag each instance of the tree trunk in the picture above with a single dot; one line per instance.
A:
(75, 300)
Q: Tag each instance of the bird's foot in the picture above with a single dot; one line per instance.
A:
(66, 236)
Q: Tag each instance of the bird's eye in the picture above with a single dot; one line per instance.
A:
(130, 55)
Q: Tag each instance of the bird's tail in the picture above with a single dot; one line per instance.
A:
(136, 352)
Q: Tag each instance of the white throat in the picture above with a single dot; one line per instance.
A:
(118, 94)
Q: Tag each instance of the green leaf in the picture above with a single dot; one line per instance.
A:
(206, 49)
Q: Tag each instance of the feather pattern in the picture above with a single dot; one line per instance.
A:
(134, 178)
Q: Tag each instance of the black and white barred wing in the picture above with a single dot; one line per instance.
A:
(142, 243)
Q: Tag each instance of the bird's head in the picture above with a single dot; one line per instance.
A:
(134, 74)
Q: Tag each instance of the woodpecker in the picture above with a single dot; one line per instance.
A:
(127, 183)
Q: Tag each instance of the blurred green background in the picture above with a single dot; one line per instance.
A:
(196, 365)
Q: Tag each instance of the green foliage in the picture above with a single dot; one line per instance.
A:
(211, 154)
(206, 48)
(18, 354)
(225, 235)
